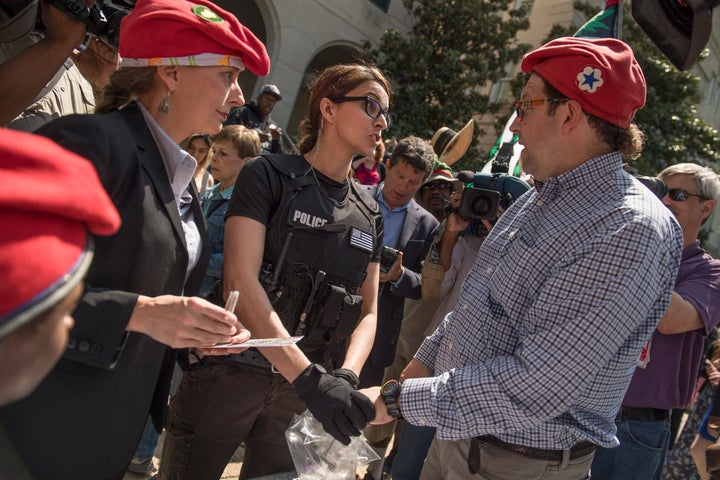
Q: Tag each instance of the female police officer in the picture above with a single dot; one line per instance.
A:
(323, 287)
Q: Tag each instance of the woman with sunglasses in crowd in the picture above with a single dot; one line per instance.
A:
(299, 229)
(85, 420)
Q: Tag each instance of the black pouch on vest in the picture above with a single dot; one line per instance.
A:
(293, 291)
(335, 316)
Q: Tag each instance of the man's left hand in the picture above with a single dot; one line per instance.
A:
(381, 414)
(395, 271)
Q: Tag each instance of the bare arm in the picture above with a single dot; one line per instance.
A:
(681, 316)
(244, 246)
(453, 226)
(27, 73)
(361, 341)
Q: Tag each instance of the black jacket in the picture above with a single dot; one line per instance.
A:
(249, 116)
(86, 418)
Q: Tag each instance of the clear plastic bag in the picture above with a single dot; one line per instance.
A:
(317, 455)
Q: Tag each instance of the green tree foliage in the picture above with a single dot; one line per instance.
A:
(669, 118)
(441, 69)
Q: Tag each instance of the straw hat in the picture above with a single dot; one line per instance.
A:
(449, 145)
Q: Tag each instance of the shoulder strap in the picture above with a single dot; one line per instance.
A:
(292, 166)
(365, 198)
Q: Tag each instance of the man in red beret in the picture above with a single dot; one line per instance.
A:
(51, 200)
(524, 378)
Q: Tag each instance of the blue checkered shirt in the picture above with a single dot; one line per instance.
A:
(550, 322)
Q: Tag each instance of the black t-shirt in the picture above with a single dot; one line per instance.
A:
(258, 192)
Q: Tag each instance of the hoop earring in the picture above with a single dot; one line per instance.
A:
(164, 106)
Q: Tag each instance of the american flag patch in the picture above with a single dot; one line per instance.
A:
(361, 240)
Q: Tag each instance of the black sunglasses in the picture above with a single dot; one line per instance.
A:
(372, 107)
(442, 186)
(680, 195)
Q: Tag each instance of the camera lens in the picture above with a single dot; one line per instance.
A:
(481, 206)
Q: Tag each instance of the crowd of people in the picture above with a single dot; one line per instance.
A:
(484, 325)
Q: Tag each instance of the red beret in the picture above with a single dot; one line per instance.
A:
(180, 32)
(600, 73)
(50, 199)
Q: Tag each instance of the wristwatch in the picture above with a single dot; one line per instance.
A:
(390, 392)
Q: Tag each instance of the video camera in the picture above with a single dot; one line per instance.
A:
(102, 19)
(654, 184)
(488, 192)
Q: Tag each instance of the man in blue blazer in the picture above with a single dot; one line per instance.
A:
(407, 228)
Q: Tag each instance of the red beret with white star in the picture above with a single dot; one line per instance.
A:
(181, 32)
(602, 74)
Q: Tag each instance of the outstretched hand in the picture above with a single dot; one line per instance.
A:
(341, 410)
(381, 414)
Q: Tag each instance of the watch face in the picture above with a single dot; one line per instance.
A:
(390, 387)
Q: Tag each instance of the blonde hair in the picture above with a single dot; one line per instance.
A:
(245, 140)
(202, 163)
(125, 85)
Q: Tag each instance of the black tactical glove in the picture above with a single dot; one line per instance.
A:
(347, 375)
(341, 410)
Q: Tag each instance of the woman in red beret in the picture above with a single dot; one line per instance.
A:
(178, 77)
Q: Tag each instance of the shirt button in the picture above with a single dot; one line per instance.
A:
(539, 203)
(489, 270)
(511, 234)
(465, 306)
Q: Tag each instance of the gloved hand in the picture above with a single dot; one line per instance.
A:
(347, 375)
(341, 410)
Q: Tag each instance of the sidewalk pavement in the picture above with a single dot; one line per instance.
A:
(232, 471)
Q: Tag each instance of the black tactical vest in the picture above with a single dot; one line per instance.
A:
(326, 258)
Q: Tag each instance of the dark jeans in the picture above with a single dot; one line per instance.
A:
(221, 405)
(414, 443)
(641, 454)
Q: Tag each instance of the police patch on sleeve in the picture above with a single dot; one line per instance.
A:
(361, 240)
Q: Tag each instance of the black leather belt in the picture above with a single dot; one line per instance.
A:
(643, 414)
(250, 357)
(578, 450)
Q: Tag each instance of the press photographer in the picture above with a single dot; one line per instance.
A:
(480, 205)
(41, 63)
(102, 18)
